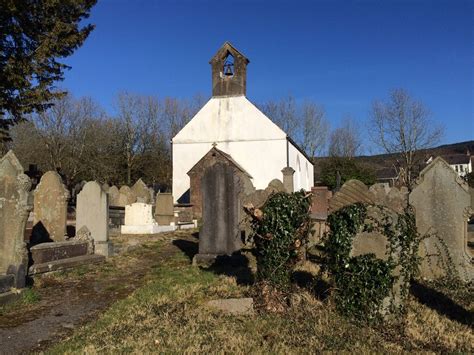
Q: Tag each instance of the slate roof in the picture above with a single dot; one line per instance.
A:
(454, 159)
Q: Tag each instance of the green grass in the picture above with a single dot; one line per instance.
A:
(168, 314)
(28, 297)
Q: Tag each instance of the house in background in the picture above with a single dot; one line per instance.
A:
(233, 125)
(461, 163)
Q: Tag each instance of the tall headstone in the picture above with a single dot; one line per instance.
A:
(152, 195)
(114, 195)
(50, 209)
(141, 191)
(14, 211)
(92, 211)
(442, 205)
(164, 209)
(221, 189)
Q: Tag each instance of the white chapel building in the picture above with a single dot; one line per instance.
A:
(231, 123)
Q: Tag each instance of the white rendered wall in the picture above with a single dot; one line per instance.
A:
(241, 130)
(263, 160)
(304, 170)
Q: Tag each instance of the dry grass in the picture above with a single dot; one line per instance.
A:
(168, 315)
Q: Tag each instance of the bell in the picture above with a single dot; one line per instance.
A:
(228, 70)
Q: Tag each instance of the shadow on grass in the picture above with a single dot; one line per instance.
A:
(235, 265)
(190, 248)
(315, 285)
(441, 304)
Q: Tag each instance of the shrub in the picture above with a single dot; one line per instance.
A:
(280, 230)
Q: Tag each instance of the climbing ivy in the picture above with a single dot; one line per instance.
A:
(363, 282)
(279, 230)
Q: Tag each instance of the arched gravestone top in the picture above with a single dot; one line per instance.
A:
(126, 196)
(114, 195)
(10, 165)
(354, 191)
(50, 208)
(351, 192)
(140, 190)
(442, 204)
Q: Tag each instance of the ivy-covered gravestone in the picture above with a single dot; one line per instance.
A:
(371, 251)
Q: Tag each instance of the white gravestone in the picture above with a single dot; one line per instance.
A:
(139, 219)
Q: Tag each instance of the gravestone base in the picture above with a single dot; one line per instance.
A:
(140, 229)
(7, 282)
(10, 296)
(62, 264)
(205, 260)
(51, 251)
(103, 248)
(188, 225)
(164, 220)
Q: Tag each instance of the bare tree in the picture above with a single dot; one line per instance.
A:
(345, 141)
(139, 120)
(58, 136)
(315, 129)
(401, 125)
(305, 123)
(284, 113)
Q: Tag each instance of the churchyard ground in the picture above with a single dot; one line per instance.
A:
(151, 299)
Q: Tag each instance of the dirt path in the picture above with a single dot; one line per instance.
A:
(78, 296)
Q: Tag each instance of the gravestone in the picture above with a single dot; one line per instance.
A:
(152, 195)
(140, 190)
(391, 197)
(105, 187)
(320, 202)
(384, 206)
(14, 211)
(221, 189)
(92, 211)
(114, 195)
(442, 205)
(213, 156)
(126, 196)
(10, 165)
(164, 209)
(351, 192)
(50, 209)
(139, 220)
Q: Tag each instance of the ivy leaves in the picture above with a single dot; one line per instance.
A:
(279, 234)
(363, 282)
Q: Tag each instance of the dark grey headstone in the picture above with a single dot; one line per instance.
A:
(221, 201)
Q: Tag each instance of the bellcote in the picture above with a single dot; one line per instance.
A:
(229, 72)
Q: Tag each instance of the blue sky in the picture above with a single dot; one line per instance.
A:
(341, 54)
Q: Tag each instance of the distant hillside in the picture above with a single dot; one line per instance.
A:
(382, 164)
